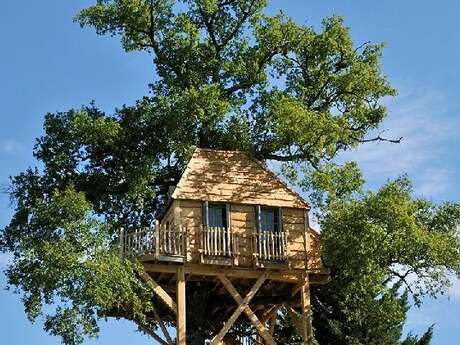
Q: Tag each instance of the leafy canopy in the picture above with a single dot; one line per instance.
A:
(383, 247)
(225, 75)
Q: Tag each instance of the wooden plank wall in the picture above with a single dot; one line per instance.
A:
(294, 223)
(243, 223)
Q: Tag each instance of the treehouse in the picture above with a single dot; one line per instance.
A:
(232, 247)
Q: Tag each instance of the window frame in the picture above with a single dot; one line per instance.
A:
(278, 218)
(225, 209)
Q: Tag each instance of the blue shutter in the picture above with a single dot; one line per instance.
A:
(258, 220)
(205, 213)
(280, 219)
(228, 213)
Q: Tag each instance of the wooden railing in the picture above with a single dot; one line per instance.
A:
(246, 340)
(250, 341)
(156, 240)
(214, 242)
(271, 246)
(137, 243)
(172, 241)
(218, 242)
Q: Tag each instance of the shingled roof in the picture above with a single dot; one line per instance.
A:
(233, 176)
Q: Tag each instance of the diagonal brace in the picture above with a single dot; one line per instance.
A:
(244, 306)
(163, 327)
(159, 291)
(241, 307)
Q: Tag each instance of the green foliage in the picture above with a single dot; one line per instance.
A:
(226, 76)
(238, 78)
(64, 258)
(383, 248)
(425, 339)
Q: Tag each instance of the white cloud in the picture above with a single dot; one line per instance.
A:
(420, 118)
(10, 146)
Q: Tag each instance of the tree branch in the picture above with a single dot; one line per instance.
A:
(380, 138)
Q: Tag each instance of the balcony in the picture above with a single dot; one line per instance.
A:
(162, 243)
(211, 245)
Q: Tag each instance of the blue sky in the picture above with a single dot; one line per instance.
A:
(49, 64)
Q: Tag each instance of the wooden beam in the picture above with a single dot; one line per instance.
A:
(245, 307)
(159, 291)
(306, 312)
(269, 313)
(163, 327)
(297, 288)
(272, 324)
(242, 304)
(198, 269)
(151, 333)
(181, 310)
(295, 318)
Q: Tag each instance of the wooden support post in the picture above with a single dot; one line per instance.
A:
(306, 312)
(157, 239)
(181, 311)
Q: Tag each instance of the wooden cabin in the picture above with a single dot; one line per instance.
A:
(234, 228)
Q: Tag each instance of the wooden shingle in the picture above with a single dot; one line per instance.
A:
(233, 176)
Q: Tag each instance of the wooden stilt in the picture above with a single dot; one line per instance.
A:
(306, 312)
(181, 311)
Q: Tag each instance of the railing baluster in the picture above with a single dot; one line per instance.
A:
(208, 240)
(177, 239)
(172, 237)
(208, 230)
(259, 240)
(215, 242)
(267, 245)
(283, 248)
(229, 242)
(219, 244)
(221, 241)
(273, 236)
(277, 246)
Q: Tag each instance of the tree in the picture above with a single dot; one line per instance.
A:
(228, 76)
(383, 247)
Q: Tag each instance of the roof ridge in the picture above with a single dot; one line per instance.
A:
(218, 150)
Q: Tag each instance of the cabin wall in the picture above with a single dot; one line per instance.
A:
(191, 218)
(314, 251)
(243, 223)
(169, 215)
(294, 222)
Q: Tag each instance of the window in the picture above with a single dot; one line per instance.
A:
(216, 216)
(269, 219)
